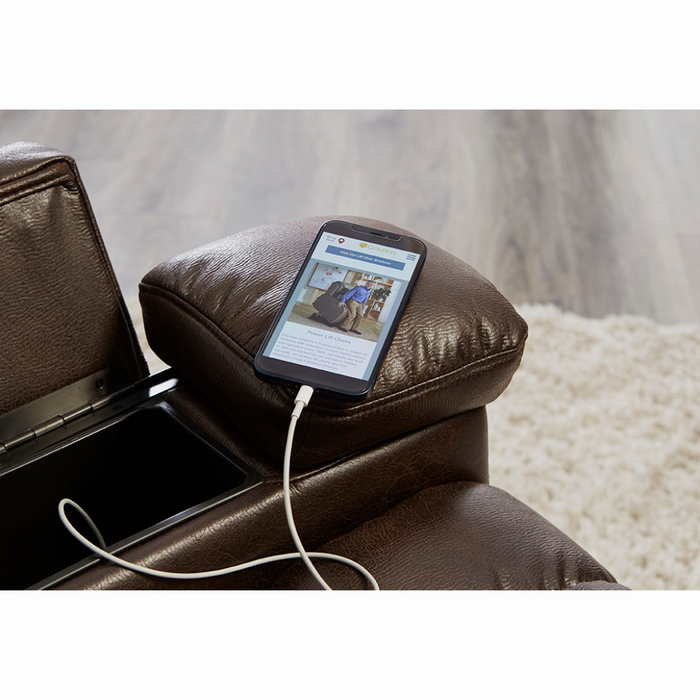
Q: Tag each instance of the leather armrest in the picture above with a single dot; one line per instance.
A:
(207, 311)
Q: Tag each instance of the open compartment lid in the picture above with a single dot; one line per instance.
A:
(62, 315)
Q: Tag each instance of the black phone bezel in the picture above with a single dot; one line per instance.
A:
(349, 388)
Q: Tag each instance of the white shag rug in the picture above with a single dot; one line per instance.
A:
(599, 432)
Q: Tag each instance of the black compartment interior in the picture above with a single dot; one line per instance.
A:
(129, 474)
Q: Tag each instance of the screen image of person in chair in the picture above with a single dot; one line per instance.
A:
(350, 301)
(355, 301)
(338, 315)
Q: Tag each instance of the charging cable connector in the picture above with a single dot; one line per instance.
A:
(302, 400)
(300, 403)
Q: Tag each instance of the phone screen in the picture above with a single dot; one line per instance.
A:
(341, 313)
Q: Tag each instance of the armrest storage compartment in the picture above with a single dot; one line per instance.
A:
(135, 473)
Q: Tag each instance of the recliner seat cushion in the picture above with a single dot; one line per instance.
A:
(207, 311)
(457, 536)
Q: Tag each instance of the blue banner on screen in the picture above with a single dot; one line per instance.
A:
(364, 257)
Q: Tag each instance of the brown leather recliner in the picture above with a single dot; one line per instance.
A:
(327, 304)
(398, 482)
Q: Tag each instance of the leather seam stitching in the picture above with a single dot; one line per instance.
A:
(195, 315)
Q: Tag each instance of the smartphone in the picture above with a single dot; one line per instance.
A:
(340, 315)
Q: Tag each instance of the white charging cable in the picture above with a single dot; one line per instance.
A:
(300, 402)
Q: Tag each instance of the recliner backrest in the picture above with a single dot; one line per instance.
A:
(336, 290)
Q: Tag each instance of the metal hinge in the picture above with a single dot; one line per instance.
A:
(13, 430)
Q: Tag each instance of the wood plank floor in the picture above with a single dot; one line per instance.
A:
(597, 212)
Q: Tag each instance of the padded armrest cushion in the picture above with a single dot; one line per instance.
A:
(207, 311)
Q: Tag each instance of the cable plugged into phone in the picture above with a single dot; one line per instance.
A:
(300, 403)
(302, 400)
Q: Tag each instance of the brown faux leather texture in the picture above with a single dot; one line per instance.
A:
(328, 502)
(452, 537)
(464, 439)
(207, 311)
(61, 311)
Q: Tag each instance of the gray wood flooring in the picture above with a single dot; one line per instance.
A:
(597, 212)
